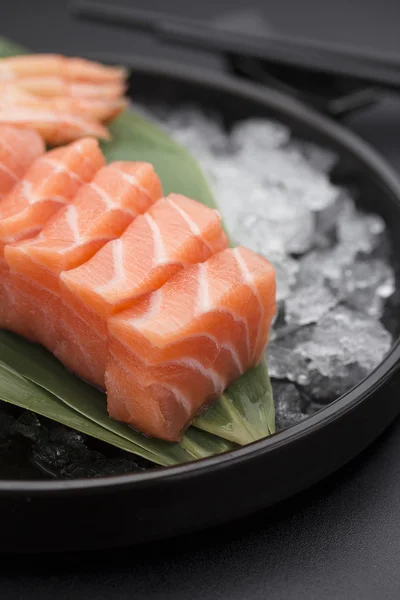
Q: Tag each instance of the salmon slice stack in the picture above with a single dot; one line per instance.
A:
(100, 212)
(180, 347)
(61, 98)
(175, 232)
(134, 292)
(18, 149)
(49, 184)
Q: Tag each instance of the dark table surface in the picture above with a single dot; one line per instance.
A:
(339, 539)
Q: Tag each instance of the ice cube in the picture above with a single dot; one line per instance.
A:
(358, 231)
(344, 347)
(320, 159)
(287, 404)
(329, 358)
(308, 187)
(326, 219)
(325, 264)
(307, 303)
(285, 218)
(198, 132)
(284, 361)
(366, 285)
(258, 134)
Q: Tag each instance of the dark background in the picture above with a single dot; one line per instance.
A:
(341, 538)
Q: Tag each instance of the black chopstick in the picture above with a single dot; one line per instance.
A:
(312, 55)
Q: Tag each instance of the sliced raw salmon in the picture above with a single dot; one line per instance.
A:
(178, 348)
(42, 65)
(18, 149)
(55, 126)
(173, 233)
(100, 212)
(49, 184)
(62, 98)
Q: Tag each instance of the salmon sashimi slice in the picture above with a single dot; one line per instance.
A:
(94, 108)
(178, 348)
(100, 212)
(51, 86)
(18, 149)
(62, 98)
(55, 64)
(55, 126)
(49, 184)
(176, 231)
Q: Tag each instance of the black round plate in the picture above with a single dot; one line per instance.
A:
(120, 510)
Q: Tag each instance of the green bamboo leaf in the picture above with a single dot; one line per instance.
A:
(9, 48)
(40, 367)
(243, 414)
(245, 411)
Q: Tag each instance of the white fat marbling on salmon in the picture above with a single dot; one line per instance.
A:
(118, 267)
(235, 357)
(194, 228)
(60, 167)
(203, 296)
(133, 181)
(118, 260)
(159, 248)
(110, 203)
(152, 311)
(195, 365)
(30, 232)
(8, 171)
(9, 148)
(27, 191)
(249, 280)
(72, 220)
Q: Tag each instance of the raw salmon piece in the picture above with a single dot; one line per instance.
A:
(49, 184)
(40, 65)
(175, 232)
(18, 149)
(94, 108)
(100, 212)
(55, 126)
(178, 348)
(50, 86)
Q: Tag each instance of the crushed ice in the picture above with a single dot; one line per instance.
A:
(333, 279)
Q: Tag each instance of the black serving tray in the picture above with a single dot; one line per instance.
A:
(40, 516)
